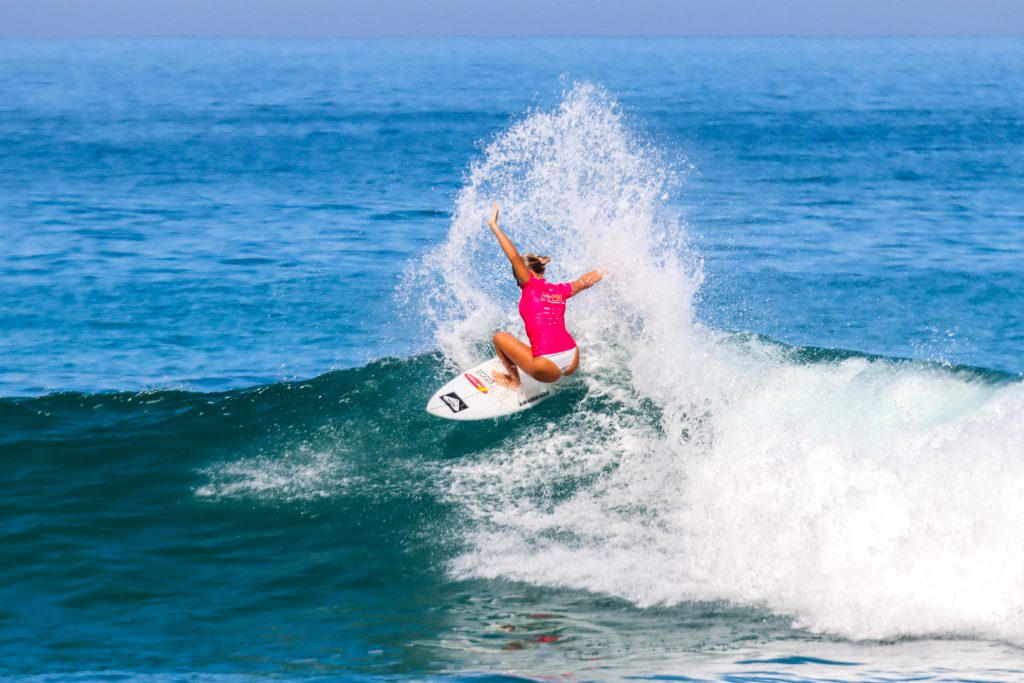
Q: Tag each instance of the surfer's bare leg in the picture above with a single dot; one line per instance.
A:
(516, 356)
(503, 340)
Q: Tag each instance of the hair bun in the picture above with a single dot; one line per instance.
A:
(535, 263)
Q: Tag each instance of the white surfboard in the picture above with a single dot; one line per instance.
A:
(475, 395)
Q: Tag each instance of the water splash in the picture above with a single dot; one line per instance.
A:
(572, 185)
(868, 498)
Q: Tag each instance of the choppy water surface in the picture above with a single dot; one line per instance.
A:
(234, 270)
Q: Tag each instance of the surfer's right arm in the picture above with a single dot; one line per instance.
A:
(522, 273)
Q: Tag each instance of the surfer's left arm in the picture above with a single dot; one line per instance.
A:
(519, 268)
(587, 280)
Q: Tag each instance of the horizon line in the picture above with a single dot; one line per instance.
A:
(510, 36)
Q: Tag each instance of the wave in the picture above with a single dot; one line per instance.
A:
(866, 497)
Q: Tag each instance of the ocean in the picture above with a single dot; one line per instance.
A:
(233, 271)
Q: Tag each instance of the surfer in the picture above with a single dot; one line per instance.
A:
(552, 352)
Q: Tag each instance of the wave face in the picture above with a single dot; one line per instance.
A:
(333, 526)
(865, 497)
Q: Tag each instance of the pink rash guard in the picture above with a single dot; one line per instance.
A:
(543, 309)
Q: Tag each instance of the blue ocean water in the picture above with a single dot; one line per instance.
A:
(234, 270)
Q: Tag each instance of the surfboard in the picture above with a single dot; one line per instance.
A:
(475, 395)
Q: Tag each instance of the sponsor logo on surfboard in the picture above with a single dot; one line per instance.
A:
(534, 398)
(476, 383)
(454, 403)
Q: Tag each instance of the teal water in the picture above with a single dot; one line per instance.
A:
(233, 271)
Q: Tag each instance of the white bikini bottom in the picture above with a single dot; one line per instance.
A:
(563, 359)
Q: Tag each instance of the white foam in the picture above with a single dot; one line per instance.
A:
(871, 499)
(302, 473)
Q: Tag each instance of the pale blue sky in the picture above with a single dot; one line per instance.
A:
(287, 18)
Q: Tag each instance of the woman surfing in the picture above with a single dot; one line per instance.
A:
(552, 352)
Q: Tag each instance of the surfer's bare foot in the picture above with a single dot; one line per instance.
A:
(506, 380)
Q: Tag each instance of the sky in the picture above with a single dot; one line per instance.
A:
(328, 18)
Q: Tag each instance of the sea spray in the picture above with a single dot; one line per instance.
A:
(868, 498)
(571, 185)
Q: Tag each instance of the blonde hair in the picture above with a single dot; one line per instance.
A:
(536, 263)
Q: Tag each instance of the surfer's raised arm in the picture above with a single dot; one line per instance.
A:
(587, 280)
(522, 273)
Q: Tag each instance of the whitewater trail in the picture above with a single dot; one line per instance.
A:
(867, 498)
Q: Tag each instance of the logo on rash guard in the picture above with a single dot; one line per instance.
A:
(476, 383)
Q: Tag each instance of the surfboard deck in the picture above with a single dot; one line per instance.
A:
(475, 395)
